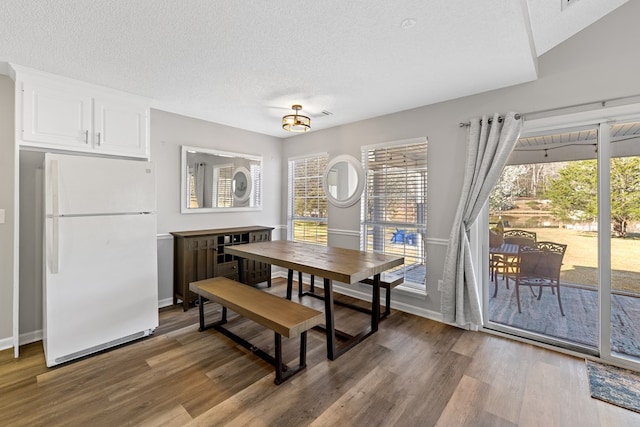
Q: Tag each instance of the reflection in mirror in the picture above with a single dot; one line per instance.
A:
(345, 174)
(217, 180)
(241, 184)
(343, 180)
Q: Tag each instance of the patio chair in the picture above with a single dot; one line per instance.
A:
(519, 237)
(506, 264)
(495, 240)
(539, 266)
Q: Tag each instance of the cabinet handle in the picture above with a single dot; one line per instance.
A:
(99, 140)
(86, 136)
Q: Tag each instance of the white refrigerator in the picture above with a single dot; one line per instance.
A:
(100, 254)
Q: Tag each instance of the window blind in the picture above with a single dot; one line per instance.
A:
(307, 203)
(394, 206)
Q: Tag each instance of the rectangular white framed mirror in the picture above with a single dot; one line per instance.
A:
(219, 181)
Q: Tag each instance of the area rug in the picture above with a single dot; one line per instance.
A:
(620, 387)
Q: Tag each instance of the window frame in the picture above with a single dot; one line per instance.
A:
(291, 217)
(421, 228)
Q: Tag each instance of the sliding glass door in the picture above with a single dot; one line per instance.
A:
(578, 188)
(623, 297)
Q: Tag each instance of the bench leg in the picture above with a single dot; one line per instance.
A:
(204, 327)
(279, 368)
(283, 372)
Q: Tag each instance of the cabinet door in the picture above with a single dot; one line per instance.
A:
(121, 128)
(256, 271)
(55, 117)
(260, 236)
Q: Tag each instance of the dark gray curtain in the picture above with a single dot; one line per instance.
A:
(489, 144)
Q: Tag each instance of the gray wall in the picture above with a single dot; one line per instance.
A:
(598, 63)
(168, 133)
(31, 225)
(7, 170)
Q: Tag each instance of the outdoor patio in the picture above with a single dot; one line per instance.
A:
(580, 323)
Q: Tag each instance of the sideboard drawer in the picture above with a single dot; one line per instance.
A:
(228, 269)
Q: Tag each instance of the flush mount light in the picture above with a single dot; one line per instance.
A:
(408, 23)
(296, 122)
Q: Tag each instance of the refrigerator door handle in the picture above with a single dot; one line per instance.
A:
(55, 208)
(55, 246)
(55, 211)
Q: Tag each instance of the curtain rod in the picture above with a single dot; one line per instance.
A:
(603, 103)
(500, 118)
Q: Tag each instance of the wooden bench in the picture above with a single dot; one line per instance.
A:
(282, 316)
(386, 282)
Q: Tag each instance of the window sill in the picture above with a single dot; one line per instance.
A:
(411, 291)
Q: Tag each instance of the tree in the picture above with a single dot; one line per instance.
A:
(508, 187)
(625, 193)
(573, 193)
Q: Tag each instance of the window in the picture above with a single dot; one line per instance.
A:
(222, 193)
(394, 205)
(307, 210)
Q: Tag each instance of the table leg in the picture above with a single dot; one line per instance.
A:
(241, 272)
(300, 284)
(375, 303)
(329, 319)
(289, 284)
(335, 349)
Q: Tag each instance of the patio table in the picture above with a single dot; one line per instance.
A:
(501, 254)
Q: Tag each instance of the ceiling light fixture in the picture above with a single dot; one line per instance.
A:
(296, 122)
(408, 23)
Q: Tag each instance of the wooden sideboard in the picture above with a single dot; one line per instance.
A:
(200, 254)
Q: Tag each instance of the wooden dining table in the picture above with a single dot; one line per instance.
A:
(331, 263)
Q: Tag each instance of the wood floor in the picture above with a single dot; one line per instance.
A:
(413, 372)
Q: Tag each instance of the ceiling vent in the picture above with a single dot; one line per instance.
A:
(566, 3)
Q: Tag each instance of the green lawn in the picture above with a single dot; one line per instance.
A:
(581, 258)
(309, 231)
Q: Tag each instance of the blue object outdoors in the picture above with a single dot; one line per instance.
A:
(401, 236)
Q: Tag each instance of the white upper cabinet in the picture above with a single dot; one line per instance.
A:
(120, 127)
(56, 113)
(53, 115)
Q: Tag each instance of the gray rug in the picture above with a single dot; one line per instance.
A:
(580, 323)
(614, 385)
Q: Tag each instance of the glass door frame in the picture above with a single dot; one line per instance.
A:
(601, 120)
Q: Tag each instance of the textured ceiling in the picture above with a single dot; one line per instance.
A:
(244, 63)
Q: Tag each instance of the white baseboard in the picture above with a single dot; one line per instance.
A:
(6, 343)
(34, 336)
(30, 337)
(396, 305)
(165, 302)
(27, 338)
(365, 295)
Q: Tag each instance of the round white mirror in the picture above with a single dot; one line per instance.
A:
(241, 184)
(343, 181)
